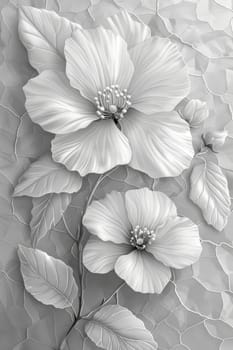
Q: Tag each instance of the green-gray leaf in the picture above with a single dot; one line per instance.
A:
(115, 327)
(46, 213)
(43, 33)
(209, 190)
(46, 176)
(49, 280)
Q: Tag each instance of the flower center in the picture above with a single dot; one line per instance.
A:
(140, 237)
(112, 103)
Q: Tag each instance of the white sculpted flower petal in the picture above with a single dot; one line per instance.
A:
(96, 59)
(107, 218)
(177, 243)
(53, 104)
(100, 257)
(161, 143)
(129, 28)
(142, 272)
(95, 149)
(160, 79)
(148, 208)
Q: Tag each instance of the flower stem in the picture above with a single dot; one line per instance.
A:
(69, 331)
(87, 316)
(81, 236)
(98, 182)
(80, 243)
(104, 303)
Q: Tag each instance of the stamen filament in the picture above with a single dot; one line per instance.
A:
(140, 237)
(112, 103)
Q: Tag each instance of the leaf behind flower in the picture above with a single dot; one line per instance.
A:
(46, 176)
(43, 33)
(46, 213)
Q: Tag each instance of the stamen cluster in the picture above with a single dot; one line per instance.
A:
(112, 102)
(140, 237)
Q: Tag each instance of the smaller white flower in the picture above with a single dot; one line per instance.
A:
(215, 139)
(195, 112)
(139, 235)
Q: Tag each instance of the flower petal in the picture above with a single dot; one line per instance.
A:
(177, 243)
(96, 149)
(142, 272)
(97, 58)
(53, 104)
(161, 143)
(129, 28)
(148, 208)
(107, 218)
(100, 257)
(160, 79)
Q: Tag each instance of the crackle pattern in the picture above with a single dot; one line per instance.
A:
(195, 311)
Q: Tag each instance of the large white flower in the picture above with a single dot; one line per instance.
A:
(139, 235)
(114, 104)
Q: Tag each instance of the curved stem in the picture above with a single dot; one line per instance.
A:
(87, 316)
(81, 236)
(80, 243)
(98, 182)
(69, 331)
(104, 303)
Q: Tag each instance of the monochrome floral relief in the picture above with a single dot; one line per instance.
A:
(116, 175)
(140, 236)
(112, 101)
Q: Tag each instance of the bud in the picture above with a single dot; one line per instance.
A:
(195, 112)
(215, 139)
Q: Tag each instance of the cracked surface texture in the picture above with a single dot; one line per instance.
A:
(195, 311)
